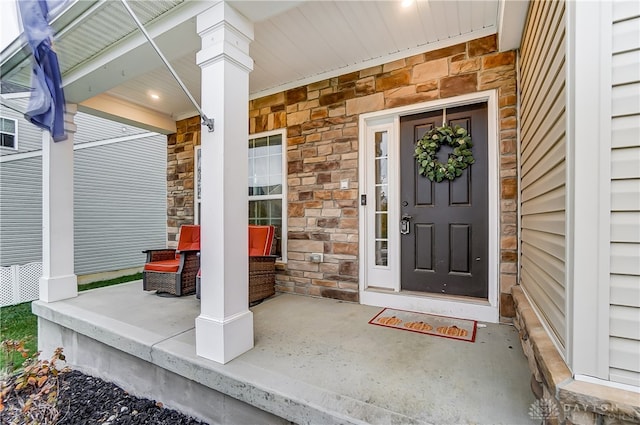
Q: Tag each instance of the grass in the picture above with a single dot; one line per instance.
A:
(18, 323)
(103, 283)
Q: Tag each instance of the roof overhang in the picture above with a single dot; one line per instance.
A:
(107, 63)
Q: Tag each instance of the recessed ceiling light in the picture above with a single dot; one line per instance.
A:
(407, 3)
(154, 96)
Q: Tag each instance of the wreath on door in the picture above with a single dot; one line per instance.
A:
(427, 149)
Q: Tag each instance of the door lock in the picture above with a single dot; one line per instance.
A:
(405, 226)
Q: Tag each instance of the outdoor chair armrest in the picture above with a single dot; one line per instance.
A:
(189, 263)
(192, 255)
(160, 254)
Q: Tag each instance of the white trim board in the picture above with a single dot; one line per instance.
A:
(32, 154)
(482, 310)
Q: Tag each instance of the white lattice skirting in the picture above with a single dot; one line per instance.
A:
(19, 284)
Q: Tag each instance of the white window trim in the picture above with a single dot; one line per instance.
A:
(15, 134)
(283, 133)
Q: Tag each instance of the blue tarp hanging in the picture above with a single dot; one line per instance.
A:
(47, 104)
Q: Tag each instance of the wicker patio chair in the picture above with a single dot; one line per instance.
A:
(173, 271)
(262, 265)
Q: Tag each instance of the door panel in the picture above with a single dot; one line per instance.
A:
(424, 245)
(446, 249)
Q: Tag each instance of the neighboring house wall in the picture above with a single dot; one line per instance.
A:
(624, 348)
(322, 149)
(21, 211)
(543, 163)
(119, 203)
(119, 195)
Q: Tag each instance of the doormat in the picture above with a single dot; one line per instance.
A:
(447, 327)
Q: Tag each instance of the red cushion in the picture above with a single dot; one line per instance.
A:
(260, 240)
(189, 238)
(166, 266)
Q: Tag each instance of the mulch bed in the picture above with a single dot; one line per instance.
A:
(88, 400)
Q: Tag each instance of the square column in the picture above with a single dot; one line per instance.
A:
(58, 280)
(224, 329)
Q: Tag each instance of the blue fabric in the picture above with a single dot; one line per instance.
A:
(47, 104)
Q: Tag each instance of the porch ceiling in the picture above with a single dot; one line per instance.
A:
(106, 59)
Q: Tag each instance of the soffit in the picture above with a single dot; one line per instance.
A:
(295, 43)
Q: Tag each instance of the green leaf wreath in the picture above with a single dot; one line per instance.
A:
(427, 149)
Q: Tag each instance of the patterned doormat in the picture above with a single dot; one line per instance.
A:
(447, 327)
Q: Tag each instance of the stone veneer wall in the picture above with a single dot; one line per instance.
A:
(180, 165)
(321, 121)
(562, 399)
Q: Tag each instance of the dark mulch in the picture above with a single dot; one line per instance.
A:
(87, 400)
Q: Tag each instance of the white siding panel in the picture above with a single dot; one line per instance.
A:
(625, 258)
(625, 163)
(624, 354)
(21, 211)
(120, 204)
(624, 341)
(626, 35)
(625, 227)
(626, 99)
(625, 131)
(543, 165)
(626, 68)
(625, 195)
(623, 9)
(624, 322)
(625, 290)
(625, 376)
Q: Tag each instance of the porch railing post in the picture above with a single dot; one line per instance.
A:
(58, 279)
(224, 329)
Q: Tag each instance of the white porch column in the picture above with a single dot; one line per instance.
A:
(58, 279)
(224, 329)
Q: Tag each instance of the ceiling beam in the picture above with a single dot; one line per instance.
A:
(116, 109)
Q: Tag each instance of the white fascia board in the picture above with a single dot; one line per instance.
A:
(512, 16)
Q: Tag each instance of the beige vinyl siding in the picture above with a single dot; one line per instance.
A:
(624, 318)
(543, 165)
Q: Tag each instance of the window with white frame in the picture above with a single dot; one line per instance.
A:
(266, 185)
(8, 133)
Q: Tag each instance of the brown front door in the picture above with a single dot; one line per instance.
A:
(446, 249)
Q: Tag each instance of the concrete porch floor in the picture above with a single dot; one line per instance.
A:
(314, 361)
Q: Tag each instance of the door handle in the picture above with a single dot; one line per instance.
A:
(405, 225)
